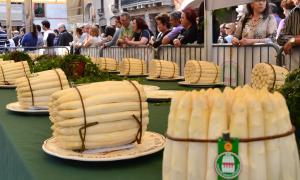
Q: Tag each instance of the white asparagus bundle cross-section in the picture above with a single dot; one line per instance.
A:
(130, 66)
(116, 111)
(163, 69)
(9, 72)
(106, 64)
(197, 72)
(36, 89)
(268, 76)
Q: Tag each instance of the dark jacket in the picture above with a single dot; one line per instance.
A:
(29, 41)
(188, 36)
(64, 39)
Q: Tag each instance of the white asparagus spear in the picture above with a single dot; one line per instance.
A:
(271, 129)
(257, 151)
(289, 157)
(239, 129)
(217, 126)
(197, 153)
(167, 166)
(103, 128)
(98, 118)
(180, 149)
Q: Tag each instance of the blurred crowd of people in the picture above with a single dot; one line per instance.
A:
(36, 38)
(258, 22)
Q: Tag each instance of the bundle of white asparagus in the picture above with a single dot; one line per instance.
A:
(35, 91)
(197, 72)
(130, 66)
(163, 69)
(11, 71)
(6, 62)
(106, 64)
(268, 76)
(110, 113)
(245, 113)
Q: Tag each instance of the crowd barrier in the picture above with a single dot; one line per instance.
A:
(181, 54)
(142, 52)
(94, 52)
(236, 62)
(291, 61)
(37, 51)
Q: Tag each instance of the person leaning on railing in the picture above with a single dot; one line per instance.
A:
(92, 40)
(257, 26)
(176, 30)
(141, 34)
(114, 39)
(189, 34)
(126, 30)
(163, 25)
(290, 35)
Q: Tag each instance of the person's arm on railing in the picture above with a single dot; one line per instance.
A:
(114, 39)
(293, 42)
(143, 41)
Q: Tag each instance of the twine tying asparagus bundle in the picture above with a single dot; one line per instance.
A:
(104, 116)
(106, 64)
(268, 76)
(130, 66)
(163, 69)
(197, 72)
(11, 71)
(36, 90)
(258, 118)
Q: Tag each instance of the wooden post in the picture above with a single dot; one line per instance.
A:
(8, 18)
(208, 32)
(28, 14)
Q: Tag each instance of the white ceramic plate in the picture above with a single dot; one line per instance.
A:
(165, 80)
(15, 107)
(133, 76)
(7, 86)
(151, 88)
(160, 95)
(203, 85)
(151, 143)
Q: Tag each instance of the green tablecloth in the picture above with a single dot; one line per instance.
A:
(21, 138)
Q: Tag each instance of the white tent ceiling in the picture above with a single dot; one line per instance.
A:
(212, 4)
(40, 1)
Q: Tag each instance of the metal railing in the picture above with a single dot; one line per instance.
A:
(291, 61)
(181, 54)
(237, 62)
(37, 51)
(91, 52)
(141, 52)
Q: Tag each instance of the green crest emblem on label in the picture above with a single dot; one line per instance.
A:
(228, 165)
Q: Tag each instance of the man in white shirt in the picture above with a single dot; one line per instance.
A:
(49, 35)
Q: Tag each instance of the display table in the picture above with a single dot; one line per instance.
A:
(22, 157)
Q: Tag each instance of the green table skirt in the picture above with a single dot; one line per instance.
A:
(22, 157)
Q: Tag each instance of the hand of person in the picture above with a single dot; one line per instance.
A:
(235, 41)
(109, 38)
(120, 42)
(287, 48)
(127, 41)
(246, 42)
(177, 43)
